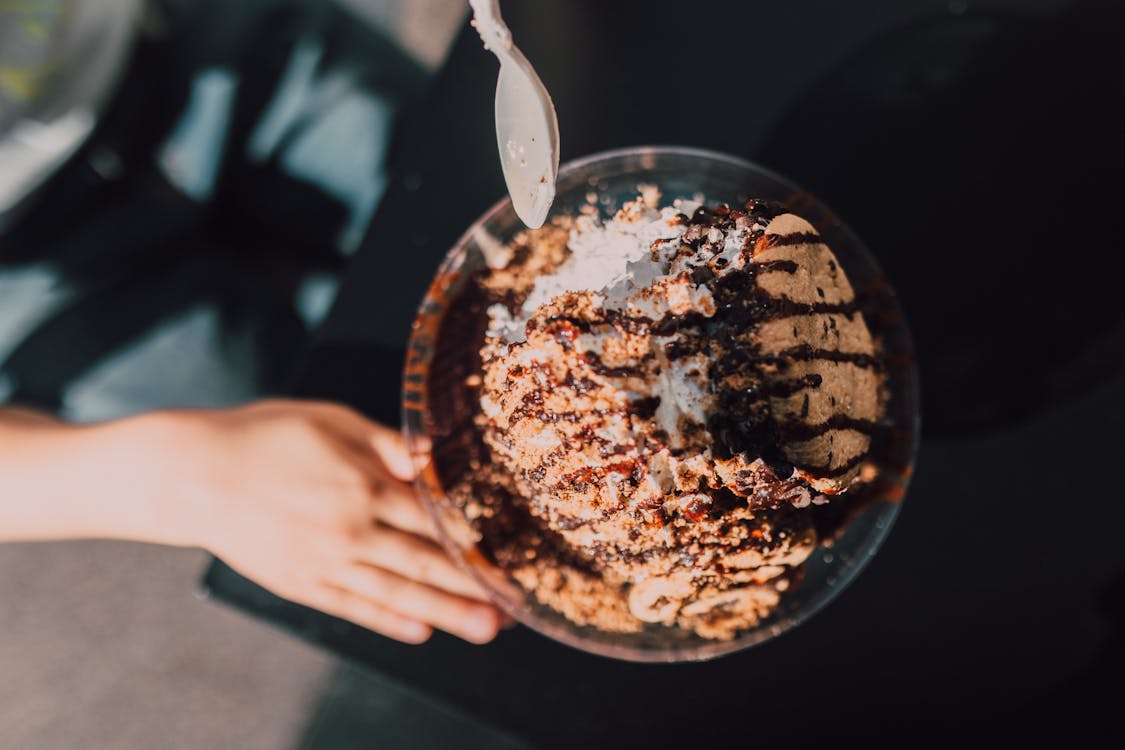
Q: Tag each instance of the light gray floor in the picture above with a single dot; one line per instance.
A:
(104, 645)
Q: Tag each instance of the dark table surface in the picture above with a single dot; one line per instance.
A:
(969, 149)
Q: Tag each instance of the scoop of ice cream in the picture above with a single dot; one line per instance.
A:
(670, 387)
(731, 337)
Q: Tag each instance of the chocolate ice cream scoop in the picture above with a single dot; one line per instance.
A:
(799, 385)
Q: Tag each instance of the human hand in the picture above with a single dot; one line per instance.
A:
(313, 502)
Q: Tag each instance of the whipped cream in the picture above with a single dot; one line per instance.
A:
(623, 260)
(630, 263)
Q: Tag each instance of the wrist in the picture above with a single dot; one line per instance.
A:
(148, 461)
(120, 480)
(176, 506)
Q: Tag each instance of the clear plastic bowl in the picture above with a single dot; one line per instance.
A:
(613, 178)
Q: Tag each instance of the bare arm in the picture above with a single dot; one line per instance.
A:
(60, 481)
(310, 500)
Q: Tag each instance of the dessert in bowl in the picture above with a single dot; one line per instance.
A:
(674, 421)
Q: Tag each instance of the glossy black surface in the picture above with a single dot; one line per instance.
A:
(996, 609)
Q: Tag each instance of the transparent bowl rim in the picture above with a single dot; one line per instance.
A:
(693, 653)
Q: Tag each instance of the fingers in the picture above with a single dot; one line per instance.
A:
(394, 501)
(419, 560)
(366, 613)
(391, 447)
(386, 442)
(465, 618)
(396, 504)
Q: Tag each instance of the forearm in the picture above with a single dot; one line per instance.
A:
(61, 481)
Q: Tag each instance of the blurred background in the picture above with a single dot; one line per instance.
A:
(205, 202)
(181, 185)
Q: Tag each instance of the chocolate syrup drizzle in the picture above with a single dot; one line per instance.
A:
(743, 422)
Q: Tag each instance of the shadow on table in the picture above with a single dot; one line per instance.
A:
(362, 710)
(977, 155)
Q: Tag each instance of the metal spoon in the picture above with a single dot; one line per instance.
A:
(527, 128)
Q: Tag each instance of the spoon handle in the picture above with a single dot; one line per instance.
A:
(490, 25)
